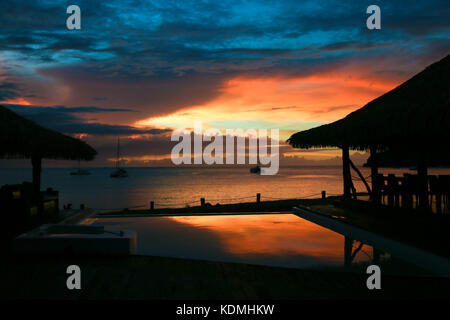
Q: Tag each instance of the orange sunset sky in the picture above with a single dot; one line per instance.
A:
(140, 71)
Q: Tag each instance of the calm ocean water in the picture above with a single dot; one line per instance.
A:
(177, 186)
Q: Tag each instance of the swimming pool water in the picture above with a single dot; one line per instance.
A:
(268, 239)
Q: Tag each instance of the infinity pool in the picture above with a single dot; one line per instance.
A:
(268, 239)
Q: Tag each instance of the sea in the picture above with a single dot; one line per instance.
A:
(184, 186)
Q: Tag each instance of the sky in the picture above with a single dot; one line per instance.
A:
(140, 69)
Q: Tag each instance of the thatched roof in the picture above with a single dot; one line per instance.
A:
(415, 113)
(406, 156)
(23, 138)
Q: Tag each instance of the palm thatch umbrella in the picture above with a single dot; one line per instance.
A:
(417, 111)
(21, 138)
(414, 116)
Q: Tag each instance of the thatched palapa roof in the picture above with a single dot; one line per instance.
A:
(416, 113)
(23, 138)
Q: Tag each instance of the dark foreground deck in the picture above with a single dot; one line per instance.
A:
(141, 277)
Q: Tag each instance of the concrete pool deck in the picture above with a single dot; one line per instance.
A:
(158, 278)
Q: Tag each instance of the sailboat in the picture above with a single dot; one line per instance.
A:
(119, 172)
(80, 172)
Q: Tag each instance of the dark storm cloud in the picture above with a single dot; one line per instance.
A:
(63, 109)
(75, 126)
(149, 94)
(65, 120)
(353, 45)
(155, 37)
(417, 18)
(9, 90)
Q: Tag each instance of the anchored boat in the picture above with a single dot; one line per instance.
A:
(119, 172)
(80, 172)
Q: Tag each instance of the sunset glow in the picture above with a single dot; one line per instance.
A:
(272, 234)
(142, 70)
(279, 102)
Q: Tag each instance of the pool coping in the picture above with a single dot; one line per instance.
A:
(146, 215)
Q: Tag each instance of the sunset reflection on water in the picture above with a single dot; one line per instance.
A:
(268, 239)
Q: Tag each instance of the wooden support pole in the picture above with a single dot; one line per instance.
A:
(258, 197)
(360, 176)
(375, 195)
(422, 172)
(202, 202)
(376, 255)
(407, 194)
(348, 246)
(391, 189)
(346, 171)
(324, 194)
(36, 162)
(438, 203)
(37, 168)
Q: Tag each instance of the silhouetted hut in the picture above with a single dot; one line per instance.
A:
(21, 138)
(415, 116)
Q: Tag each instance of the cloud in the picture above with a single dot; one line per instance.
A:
(152, 94)
(290, 63)
(64, 119)
(160, 57)
(63, 109)
(9, 91)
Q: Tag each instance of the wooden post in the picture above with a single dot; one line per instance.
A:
(346, 171)
(439, 193)
(37, 168)
(324, 194)
(435, 191)
(391, 189)
(422, 172)
(407, 191)
(258, 197)
(377, 188)
(348, 245)
(375, 195)
(202, 202)
(152, 205)
(352, 165)
(376, 255)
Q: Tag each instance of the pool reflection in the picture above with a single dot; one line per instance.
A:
(270, 239)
